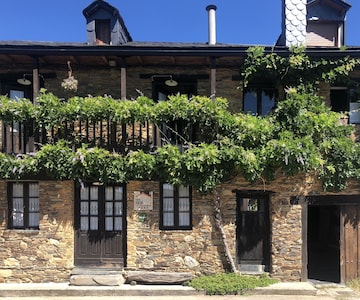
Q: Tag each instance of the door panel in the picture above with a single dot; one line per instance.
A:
(351, 216)
(99, 224)
(253, 234)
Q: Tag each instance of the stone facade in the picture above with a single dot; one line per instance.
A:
(47, 254)
(44, 255)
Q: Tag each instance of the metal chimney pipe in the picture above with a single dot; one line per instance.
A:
(212, 24)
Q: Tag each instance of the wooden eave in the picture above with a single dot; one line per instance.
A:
(145, 54)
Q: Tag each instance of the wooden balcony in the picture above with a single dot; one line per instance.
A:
(28, 137)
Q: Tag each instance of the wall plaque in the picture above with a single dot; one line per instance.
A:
(143, 201)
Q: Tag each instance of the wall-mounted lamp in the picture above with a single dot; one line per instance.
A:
(23, 80)
(168, 82)
(314, 18)
(171, 82)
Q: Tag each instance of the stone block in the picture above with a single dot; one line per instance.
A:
(158, 277)
(94, 280)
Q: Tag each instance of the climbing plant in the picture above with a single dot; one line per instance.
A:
(301, 135)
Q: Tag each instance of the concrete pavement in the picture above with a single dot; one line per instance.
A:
(279, 291)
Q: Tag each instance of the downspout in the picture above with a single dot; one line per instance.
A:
(212, 42)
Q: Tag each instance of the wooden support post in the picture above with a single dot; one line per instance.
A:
(123, 78)
(36, 84)
(213, 78)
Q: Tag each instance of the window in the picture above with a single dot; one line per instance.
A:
(175, 207)
(101, 208)
(259, 101)
(102, 32)
(344, 99)
(176, 132)
(23, 205)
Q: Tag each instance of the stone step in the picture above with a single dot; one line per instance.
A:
(96, 276)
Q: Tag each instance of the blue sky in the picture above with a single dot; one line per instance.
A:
(238, 21)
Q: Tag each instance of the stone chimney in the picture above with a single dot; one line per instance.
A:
(294, 22)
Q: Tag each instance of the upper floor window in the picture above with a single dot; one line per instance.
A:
(23, 205)
(102, 32)
(344, 99)
(175, 207)
(259, 100)
(176, 132)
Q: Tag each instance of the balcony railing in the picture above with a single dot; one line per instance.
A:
(27, 137)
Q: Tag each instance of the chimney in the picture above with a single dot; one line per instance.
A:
(294, 22)
(212, 24)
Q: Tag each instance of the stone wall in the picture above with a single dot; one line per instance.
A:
(98, 81)
(148, 248)
(44, 255)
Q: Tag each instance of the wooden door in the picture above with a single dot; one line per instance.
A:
(253, 233)
(351, 241)
(99, 225)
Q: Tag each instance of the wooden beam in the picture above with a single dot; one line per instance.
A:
(123, 78)
(36, 84)
(213, 77)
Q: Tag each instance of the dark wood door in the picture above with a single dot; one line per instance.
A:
(99, 225)
(253, 234)
(351, 240)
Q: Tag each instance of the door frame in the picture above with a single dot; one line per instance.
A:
(261, 195)
(77, 224)
(329, 200)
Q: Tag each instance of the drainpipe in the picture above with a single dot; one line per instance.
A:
(212, 41)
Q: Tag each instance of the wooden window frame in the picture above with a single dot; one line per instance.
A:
(26, 200)
(176, 211)
(259, 98)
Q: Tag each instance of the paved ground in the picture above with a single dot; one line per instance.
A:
(261, 297)
(279, 291)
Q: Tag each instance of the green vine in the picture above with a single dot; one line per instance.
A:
(301, 135)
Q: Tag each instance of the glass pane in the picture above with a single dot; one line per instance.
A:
(168, 190)
(108, 209)
(93, 208)
(184, 204)
(94, 193)
(109, 193)
(184, 191)
(16, 94)
(34, 190)
(249, 204)
(18, 205)
(118, 208)
(84, 224)
(33, 204)
(168, 204)
(18, 190)
(267, 103)
(18, 219)
(84, 193)
(118, 223)
(168, 219)
(93, 223)
(34, 219)
(109, 224)
(250, 102)
(84, 208)
(184, 219)
(118, 193)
